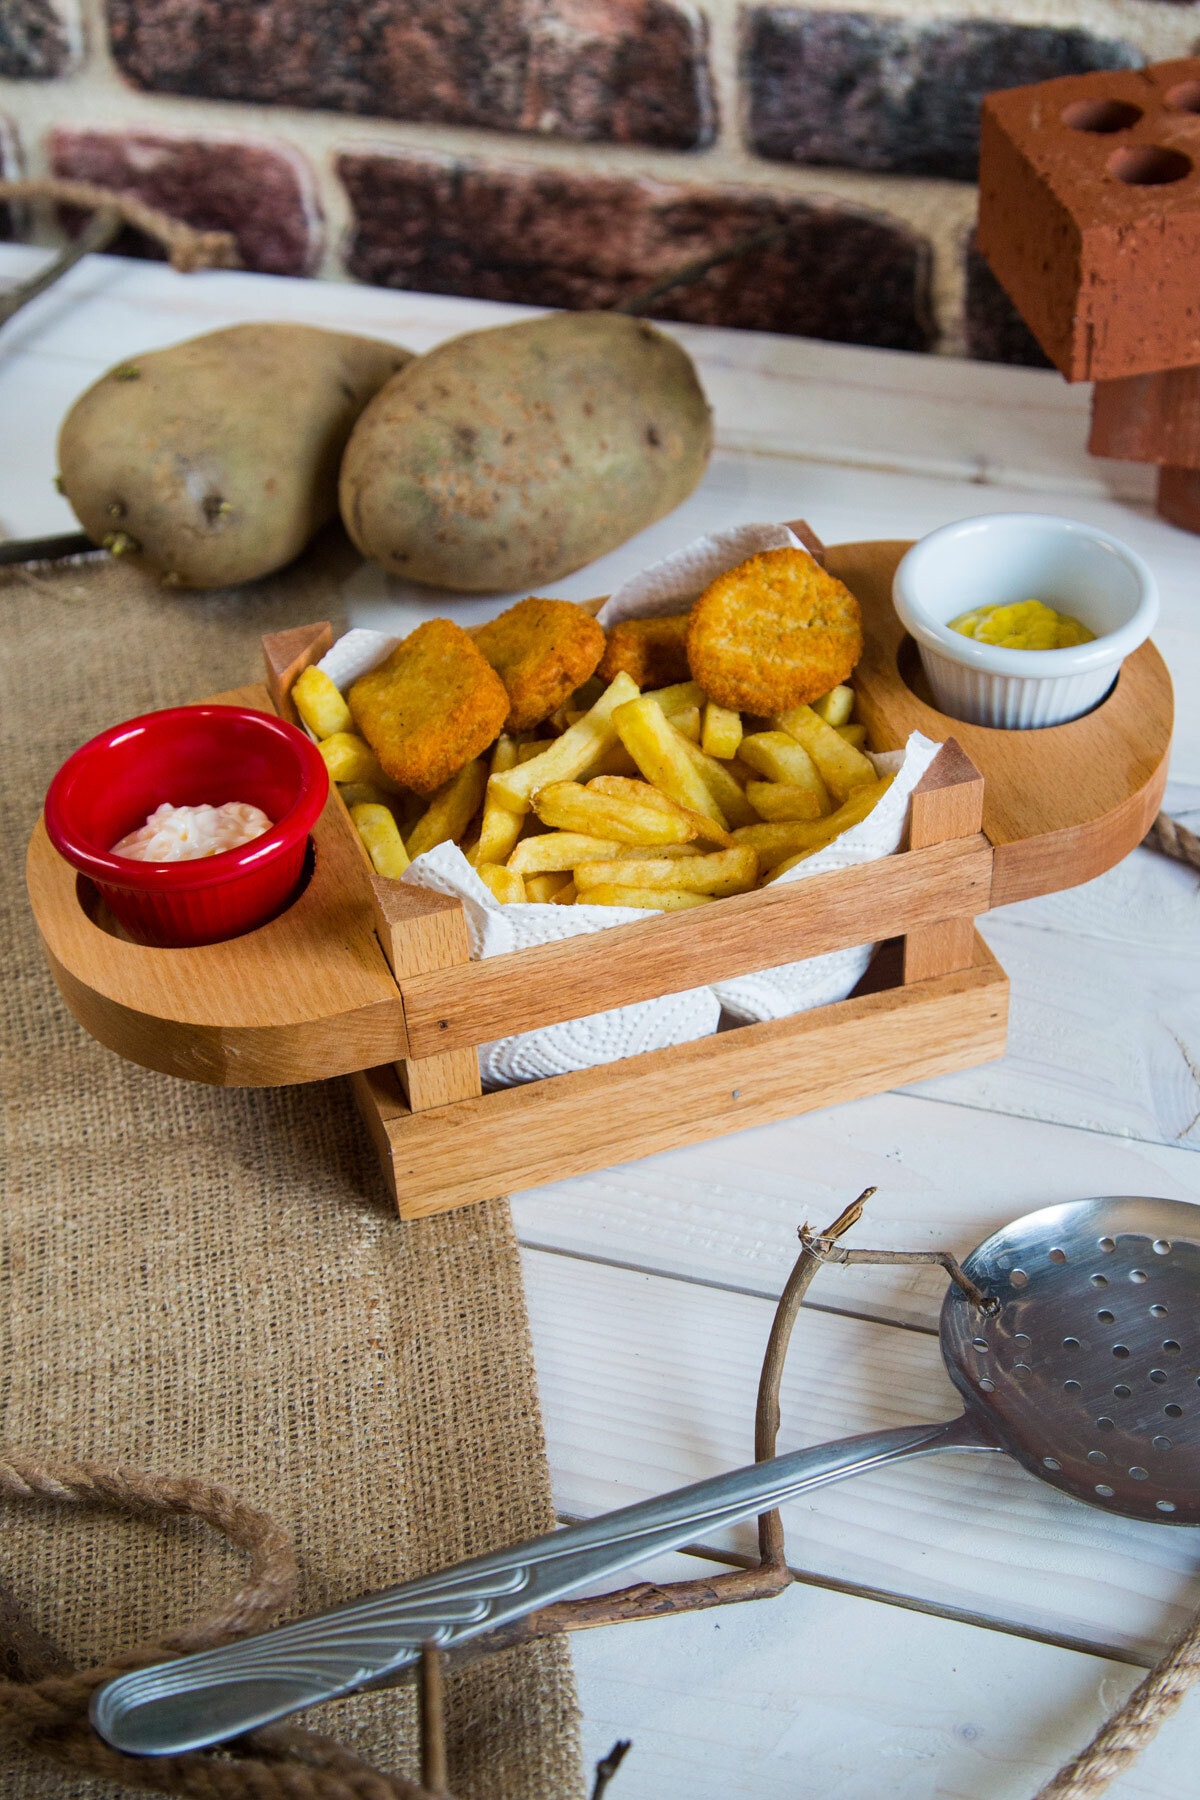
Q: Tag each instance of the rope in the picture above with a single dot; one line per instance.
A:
(1117, 1744)
(1173, 839)
(186, 248)
(49, 1714)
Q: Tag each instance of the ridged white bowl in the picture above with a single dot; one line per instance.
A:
(1004, 557)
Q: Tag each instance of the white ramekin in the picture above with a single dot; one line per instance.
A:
(1003, 557)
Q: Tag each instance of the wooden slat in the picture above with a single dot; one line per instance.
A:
(640, 961)
(547, 1130)
(286, 654)
(420, 931)
(947, 803)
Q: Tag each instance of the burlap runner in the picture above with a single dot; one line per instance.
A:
(213, 1282)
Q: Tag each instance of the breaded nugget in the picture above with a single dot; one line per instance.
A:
(773, 633)
(430, 707)
(542, 651)
(653, 651)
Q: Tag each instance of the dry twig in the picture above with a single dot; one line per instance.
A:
(433, 1719)
(186, 248)
(608, 1765)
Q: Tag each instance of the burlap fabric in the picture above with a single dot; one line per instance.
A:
(213, 1282)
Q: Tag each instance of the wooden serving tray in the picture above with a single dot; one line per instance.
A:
(373, 978)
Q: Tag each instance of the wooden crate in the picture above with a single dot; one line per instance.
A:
(372, 978)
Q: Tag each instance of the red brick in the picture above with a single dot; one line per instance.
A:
(38, 38)
(262, 194)
(623, 71)
(1089, 214)
(1149, 418)
(553, 238)
(1179, 497)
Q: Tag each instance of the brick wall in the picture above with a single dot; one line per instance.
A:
(572, 152)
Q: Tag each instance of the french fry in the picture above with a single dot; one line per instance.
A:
(687, 722)
(775, 841)
(500, 827)
(778, 756)
(541, 888)
(649, 899)
(569, 755)
(784, 800)
(836, 706)
(528, 750)
(554, 851)
(319, 703)
(853, 734)
(350, 758)
(363, 793)
(616, 760)
(724, 788)
(620, 787)
(722, 731)
(660, 850)
(506, 885)
(777, 838)
(677, 699)
(573, 808)
(665, 757)
(720, 873)
(450, 811)
(841, 767)
(565, 896)
(381, 836)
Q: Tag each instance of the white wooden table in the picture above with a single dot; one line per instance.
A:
(956, 1628)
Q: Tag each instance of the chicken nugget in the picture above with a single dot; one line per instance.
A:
(653, 651)
(775, 627)
(542, 651)
(430, 707)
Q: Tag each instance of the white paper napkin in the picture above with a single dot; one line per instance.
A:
(603, 1037)
(356, 653)
(670, 586)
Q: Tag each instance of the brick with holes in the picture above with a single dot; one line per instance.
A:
(1089, 215)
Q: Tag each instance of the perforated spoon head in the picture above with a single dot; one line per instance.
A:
(1089, 1373)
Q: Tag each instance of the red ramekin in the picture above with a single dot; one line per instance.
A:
(189, 756)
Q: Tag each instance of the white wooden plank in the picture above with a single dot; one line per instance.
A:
(648, 1384)
(1104, 1029)
(783, 396)
(726, 1213)
(820, 1694)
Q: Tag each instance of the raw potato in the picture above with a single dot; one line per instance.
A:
(214, 461)
(506, 458)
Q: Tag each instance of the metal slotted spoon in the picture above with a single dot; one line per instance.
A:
(1085, 1367)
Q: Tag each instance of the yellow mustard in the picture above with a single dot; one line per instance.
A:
(1023, 625)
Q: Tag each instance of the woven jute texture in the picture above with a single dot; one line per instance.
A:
(212, 1282)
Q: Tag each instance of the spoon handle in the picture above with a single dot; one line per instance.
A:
(216, 1694)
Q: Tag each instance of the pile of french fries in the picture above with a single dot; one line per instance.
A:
(659, 800)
